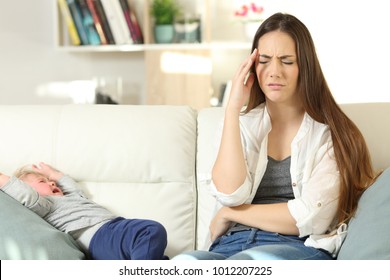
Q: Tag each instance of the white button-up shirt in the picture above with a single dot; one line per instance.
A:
(314, 175)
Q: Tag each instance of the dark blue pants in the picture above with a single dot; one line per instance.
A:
(129, 239)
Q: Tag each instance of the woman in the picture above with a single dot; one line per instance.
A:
(291, 168)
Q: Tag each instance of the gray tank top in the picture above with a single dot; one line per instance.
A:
(275, 186)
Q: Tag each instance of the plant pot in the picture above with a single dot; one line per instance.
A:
(164, 34)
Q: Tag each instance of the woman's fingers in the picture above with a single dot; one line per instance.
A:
(249, 80)
(245, 68)
(251, 60)
(242, 83)
(247, 77)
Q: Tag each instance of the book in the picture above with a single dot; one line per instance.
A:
(88, 23)
(76, 15)
(131, 22)
(104, 21)
(136, 25)
(97, 22)
(117, 22)
(71, 27)
(122, 21)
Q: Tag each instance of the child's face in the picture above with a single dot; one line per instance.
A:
(42, 185)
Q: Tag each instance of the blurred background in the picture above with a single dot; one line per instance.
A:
(37, 67)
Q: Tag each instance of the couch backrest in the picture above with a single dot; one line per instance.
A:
(373, 120)
(138, 161)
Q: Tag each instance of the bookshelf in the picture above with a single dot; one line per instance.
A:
(174, 87)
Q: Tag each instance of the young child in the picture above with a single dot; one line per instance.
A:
(56, 198)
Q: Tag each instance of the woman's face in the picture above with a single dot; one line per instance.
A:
(276, 67)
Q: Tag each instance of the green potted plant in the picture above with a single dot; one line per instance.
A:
(164, 13)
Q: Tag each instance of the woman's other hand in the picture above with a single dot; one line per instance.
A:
(219, 224)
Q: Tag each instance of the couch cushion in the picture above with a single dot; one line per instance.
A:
(24, 235)
(209, 127)
(369, 230)
(138, 161)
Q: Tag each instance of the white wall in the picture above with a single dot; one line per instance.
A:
(352, 39)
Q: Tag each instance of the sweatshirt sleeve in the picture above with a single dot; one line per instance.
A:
(27, 196)
(69, 186)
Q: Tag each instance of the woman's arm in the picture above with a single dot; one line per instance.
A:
(229, 171)
(269, 217)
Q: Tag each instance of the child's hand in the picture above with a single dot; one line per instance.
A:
(48, 171)
(3, 179)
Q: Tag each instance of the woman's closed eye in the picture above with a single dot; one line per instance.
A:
(285, 59)
(288, 62)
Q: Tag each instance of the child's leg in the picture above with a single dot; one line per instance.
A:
(129, 239)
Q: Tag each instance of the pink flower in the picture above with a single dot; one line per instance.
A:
(249, 11)
(256, 9)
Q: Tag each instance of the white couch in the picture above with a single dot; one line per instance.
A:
(138, 161)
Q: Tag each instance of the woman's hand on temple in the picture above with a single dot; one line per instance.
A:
(242, 84)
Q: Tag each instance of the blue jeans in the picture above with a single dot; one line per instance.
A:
(256, 244)
(129, 239)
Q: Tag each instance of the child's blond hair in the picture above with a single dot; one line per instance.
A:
(26, 170)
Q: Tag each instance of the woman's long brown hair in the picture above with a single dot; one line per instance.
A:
(351, 152)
